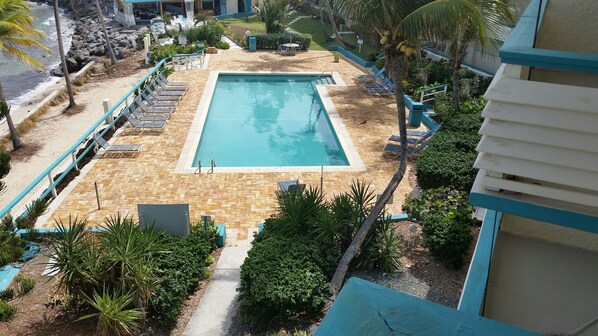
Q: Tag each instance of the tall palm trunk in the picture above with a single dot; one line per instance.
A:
(322, 25)
(14, 137)
(343, 43)
(458, 49)
(395, 64)
(65, 71)
(106, 37)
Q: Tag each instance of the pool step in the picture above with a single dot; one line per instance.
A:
(325, 80)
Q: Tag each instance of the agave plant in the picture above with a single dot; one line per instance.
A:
(298, 210)
(114, 316)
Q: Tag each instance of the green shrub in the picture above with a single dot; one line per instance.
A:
(268, 41)
(280, 278)
(7, 294)
(31, 235)
(443, 202)
(446, 238)
(11, 248)
(168, 50)
(7, 311)
(380, 63)
(382, 248)
(222, 45)
(180, 271)
(443, 168)
(211, 33)
(4, 162)
(26, 284)
(7, 223)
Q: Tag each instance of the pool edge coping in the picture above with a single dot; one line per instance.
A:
(185, 162)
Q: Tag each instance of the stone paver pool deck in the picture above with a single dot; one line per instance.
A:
(239, 200)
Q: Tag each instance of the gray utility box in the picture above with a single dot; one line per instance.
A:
(172, 218)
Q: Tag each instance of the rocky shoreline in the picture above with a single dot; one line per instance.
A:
(88, 42)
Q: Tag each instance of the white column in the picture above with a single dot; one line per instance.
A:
(129, 16)
(190, 7)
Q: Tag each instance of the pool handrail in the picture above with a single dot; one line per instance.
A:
(71, 151)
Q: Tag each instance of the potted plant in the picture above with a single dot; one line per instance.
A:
(337, 56)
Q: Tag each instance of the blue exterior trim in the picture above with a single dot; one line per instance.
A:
(574, 220)
(399, 216)
(474, 290)
(352, 56)
(260, 227)
(429, 122)
(519, 48)
(365, 308)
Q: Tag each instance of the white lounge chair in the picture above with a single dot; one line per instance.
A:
(175, 84)
(139, 125)
(155, 103)
(151, 109)
(137, 114)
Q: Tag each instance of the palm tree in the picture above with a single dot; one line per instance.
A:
(106, 37)
(332, 20)
(17, 33)
(400, 25)
(65, 71)
(497, 15)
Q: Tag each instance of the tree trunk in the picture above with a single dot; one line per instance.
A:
(106, 37)
(394, 65)
(65, 71)
(343, 43)
(14, 137)
(456, 86)
(322, 25)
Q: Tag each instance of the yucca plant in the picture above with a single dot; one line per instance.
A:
(298, 210)
(7, 223)
(114, 316)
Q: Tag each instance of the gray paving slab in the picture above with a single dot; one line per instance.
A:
(213, 315)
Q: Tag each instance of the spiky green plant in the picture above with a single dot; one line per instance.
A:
(298, 210)
(114, 318)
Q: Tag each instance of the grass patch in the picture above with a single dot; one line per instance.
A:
(253, 24)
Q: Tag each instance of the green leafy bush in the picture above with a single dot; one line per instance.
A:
(446, 238)
(7, 294)
(32, 212)
(222, 45)
(113, 316)
(11, 248)
(380, 63)
(180, 271)
(7, 311)
(4, 162)
(444, 202)
(168, 50)
(268, 41)
(210, 32)
(26, 284)
(280, 278)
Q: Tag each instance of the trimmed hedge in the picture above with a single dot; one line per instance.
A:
(180, 271)
(447, 239)
(444, 202)
(449, 157)
(282, 277)
(268, 41)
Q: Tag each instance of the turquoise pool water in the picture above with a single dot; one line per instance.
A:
(268, 120)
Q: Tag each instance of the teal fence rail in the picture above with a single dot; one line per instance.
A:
(47, 175)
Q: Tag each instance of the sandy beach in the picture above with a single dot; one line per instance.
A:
(56, 131)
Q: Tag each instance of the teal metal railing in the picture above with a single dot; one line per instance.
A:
(71, 152)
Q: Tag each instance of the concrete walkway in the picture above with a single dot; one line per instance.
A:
(213, 315)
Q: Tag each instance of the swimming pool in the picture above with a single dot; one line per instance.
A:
(268, 122)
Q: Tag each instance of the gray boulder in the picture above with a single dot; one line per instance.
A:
(72, 65)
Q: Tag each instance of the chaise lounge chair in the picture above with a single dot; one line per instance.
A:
(151, 109)
(385, 90)
(415, 137)
(291, 186)
(165, 80)
(116, 148)
(378, 75)
(159, 97)
(155, 103)
(137, 114)
(165, 87)
(139, 125)
(394, 151)
(385, 81)
(164, 92)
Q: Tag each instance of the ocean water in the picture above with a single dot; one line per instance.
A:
(19, 80)
(268, 121)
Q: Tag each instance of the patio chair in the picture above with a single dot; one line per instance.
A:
(137, 114)
(159, 96)
(155, 103)
(165, 80)
(116, 148)
(163, 90)
(394, 151)
(143, 125)
(151, 109)
(378, 75)
(167, 87)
